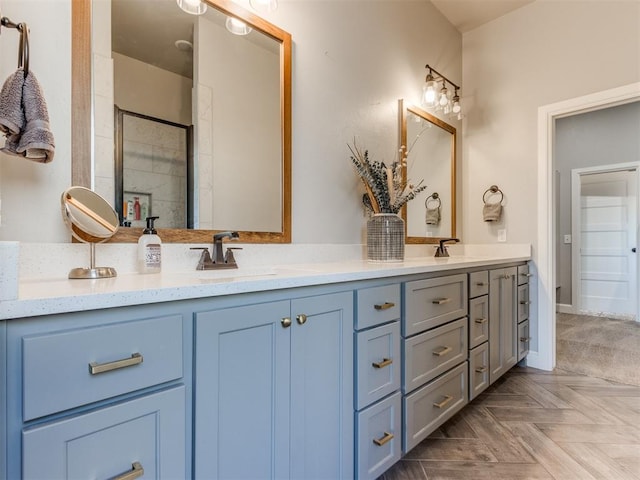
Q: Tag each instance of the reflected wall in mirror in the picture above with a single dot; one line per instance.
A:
(158, 61)
(430, 150)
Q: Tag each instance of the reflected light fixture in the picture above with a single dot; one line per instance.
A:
(237, 27)
(193, 7)
(436, 96)
(264, 6)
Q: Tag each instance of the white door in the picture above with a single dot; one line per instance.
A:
(608, 229)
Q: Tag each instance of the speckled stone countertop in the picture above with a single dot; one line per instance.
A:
(57, 294)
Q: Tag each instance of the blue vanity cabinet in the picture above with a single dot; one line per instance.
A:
(99, 394)
(274, 389)
(503, 321)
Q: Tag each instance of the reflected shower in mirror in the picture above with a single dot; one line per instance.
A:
(430, 152)
(234, 92)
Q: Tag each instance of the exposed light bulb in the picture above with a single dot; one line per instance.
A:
(444, 97)
(457, 108)
(264, 6)
(237, 27)
(192, 7)
(429, 92)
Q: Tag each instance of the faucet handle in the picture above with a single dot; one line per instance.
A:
(228, 254)
(205, 257)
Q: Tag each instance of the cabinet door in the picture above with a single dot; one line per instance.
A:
(242, 392)
(503, 346)
(322, 424)
(145, 435)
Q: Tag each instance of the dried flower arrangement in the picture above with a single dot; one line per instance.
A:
(386, 192)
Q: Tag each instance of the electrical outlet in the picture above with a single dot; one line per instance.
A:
(502, 235)
(567, 239)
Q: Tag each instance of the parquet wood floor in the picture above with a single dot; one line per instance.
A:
(532, 424)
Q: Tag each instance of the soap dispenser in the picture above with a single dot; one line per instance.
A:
(149, 249)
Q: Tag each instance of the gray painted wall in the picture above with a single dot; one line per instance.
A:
(603, 137)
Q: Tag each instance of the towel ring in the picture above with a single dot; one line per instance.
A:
(23, 49)
(493, 189)
(434, 196)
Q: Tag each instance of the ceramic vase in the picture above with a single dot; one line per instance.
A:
(385, 238)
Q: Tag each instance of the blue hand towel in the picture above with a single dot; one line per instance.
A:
(34, 139)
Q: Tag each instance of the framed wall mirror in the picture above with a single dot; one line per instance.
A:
(233, 91)
(430, 150)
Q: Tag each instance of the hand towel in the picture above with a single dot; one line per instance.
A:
(11, 112)
(491, 212)
(432, 216)
(34, 140)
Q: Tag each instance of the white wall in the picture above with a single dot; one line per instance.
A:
(352, 60)
(30, 192)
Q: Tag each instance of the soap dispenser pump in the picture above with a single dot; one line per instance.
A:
(149, 249)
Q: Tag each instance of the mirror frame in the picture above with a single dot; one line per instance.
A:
(81, 111)
(402, 137)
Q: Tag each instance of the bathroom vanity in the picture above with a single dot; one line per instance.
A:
(315, 371)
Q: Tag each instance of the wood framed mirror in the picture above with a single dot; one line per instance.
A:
(232, 190)
(429, 146)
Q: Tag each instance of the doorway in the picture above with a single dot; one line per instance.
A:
(544, 255)
(604, 235)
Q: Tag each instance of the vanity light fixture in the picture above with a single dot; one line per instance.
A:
(237, 27)
(441, 100)
(192, 7)
(264, 6)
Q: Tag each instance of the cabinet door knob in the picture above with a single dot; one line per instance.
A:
(383, 363)
(506, 277)
(384, 306)
(286, 322)
(442, 351)
(443, 403)
(97, 368)
(302, 318)
(440, 301)
(136, 472)
(381, 441)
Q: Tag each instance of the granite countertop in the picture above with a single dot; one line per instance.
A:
(43, 296)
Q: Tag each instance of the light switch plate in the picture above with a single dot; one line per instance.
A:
(502, 235)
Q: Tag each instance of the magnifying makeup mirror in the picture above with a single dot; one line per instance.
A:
(91, 220)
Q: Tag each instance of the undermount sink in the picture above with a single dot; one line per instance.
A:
(235, 273)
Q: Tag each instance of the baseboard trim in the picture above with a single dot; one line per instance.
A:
(535, 361)
(564, 308)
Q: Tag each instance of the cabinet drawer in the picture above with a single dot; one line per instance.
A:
(523, 339)
(378, 437)
(378, 363)
(523, 302)
(433, 302)
(377, 305)
(434, 352)
(523, 274)
(478, 321)
(432, 405)
(478, 284)
(57, 365)
(478, 370)
(149, 431)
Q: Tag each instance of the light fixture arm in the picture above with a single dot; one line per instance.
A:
(440, 76)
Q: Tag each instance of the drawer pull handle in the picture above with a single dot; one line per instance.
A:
(286, 322)
(480, 320)
(443, 351)
(381, 441)
(384, 306)
(481, 369)
(527, 275)
(479, 284)
(525, 302)
(525, 339)
(385, 362)
(443, 403)
(441, 301)
(136, 472)
(96, 368)
(302, 319)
